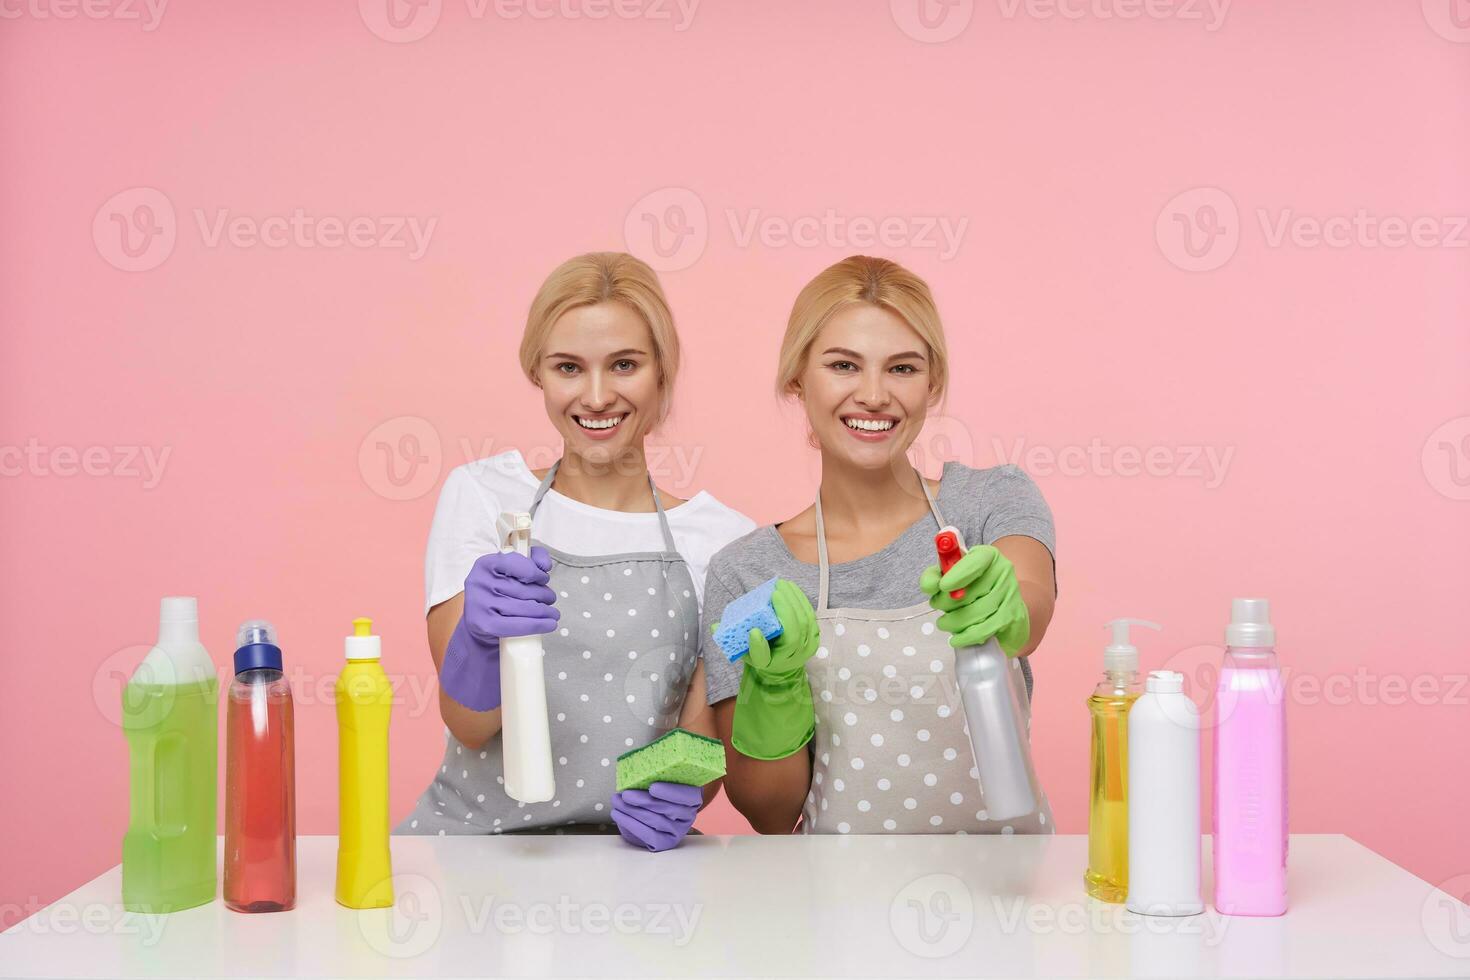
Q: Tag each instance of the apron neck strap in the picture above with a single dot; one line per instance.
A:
(663, 519)
(824, 566)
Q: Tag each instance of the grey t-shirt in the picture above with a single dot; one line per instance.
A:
(985, 505)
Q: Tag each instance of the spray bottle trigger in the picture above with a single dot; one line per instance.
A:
(950, 544)
(518, 537)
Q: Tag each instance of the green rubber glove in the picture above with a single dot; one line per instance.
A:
(773, 711)
(992, 606)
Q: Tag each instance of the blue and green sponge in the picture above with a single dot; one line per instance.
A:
(752, 611)
(676, 756)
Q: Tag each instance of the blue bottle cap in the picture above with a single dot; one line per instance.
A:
(255, 643)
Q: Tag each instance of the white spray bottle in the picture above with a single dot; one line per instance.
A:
(525, 731)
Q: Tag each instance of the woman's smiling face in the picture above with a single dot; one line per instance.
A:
(866, 386)
(600, 381)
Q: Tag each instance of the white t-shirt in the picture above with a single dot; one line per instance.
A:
(468, 524)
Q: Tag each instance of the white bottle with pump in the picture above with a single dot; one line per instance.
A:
(1163, 799)
(525, 730)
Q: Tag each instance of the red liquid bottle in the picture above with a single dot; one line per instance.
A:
(260, 778)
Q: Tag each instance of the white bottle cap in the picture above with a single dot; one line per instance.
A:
(1122, 655)
(1164, 682)
(1250, 624)
(178, 609)
(362, 644)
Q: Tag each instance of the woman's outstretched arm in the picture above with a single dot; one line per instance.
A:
(1036, 575)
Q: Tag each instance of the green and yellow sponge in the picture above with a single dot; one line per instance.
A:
(676, 756)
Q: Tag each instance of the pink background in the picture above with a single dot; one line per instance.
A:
(1334, 375)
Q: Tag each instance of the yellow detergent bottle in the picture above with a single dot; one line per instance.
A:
(364, 702)
(1106, 877)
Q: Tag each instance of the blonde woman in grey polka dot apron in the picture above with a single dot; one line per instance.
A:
(617, 670)
(891, 753)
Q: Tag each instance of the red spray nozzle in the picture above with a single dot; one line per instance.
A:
(951, 547)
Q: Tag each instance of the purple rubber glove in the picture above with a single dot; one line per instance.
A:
(656, 818)
(505, 594)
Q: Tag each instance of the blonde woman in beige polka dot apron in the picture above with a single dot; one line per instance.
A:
(891, 752)
(851, 719)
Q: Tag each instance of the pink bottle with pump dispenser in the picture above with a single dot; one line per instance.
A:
(1250, 768)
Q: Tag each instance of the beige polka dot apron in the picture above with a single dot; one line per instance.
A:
(892, 749)
(617, 670)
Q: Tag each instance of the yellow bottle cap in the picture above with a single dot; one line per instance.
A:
(362, 626)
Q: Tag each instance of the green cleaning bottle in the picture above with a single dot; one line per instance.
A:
(1106, 877)
(170, 717)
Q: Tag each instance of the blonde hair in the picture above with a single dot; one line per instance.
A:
(605, 277)
(863, 279)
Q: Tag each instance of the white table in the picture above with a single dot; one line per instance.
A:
(736, 906)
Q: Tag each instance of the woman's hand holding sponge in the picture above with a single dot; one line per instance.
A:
(773, 711)
(658, 787)
(505, 594)
(656, 818)
(991, 605)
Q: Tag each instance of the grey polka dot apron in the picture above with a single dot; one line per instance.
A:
(617, 670)
(892, 749)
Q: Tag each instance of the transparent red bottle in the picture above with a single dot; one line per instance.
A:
(260, 777)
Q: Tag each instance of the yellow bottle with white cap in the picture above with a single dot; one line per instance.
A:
(364, 702)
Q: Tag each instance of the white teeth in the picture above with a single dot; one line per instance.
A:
(869, 425)
(600, 423)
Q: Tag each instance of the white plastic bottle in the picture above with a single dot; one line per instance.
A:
(525, 730)
(1163, 799)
